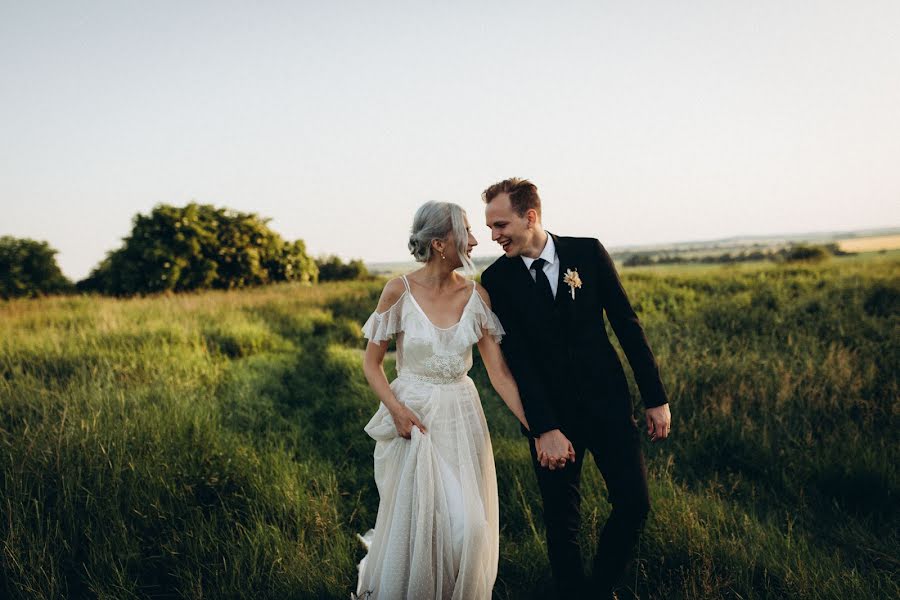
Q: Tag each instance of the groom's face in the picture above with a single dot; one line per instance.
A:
(511, 230)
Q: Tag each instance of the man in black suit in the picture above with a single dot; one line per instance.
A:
(550, 293)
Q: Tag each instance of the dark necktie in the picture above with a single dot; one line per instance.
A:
(541, 282)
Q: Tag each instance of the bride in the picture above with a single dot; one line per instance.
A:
(436, 534)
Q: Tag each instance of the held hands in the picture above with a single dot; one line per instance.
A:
(659, 422)
(405, 420)
(554, 449)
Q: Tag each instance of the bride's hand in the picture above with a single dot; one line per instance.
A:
(405, 420)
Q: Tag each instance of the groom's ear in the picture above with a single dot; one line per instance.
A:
(532, 217)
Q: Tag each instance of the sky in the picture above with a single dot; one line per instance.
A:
(640, 122)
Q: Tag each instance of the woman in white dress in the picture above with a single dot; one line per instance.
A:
(437, 533)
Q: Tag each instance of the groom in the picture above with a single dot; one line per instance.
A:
(550, 294)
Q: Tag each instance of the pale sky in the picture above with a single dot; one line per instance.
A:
(640, 122)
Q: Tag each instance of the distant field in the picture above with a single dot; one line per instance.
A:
(690, 254)
(870, 244)
(211, 445)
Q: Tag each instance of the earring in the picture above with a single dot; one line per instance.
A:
(442, 255)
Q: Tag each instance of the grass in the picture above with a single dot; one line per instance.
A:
(211, 446)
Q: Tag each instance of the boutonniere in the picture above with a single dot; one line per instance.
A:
(573, 280)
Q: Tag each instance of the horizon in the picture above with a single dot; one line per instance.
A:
(792, 236)
(640, 125)
(480, 251)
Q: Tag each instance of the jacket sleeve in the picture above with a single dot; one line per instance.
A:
(519, 357)
(628, 330)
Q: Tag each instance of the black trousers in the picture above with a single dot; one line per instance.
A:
(616, 450)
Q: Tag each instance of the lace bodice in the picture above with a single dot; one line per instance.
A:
(426, 352)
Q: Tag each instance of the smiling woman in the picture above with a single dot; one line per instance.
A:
(446, 223)
(437, 530)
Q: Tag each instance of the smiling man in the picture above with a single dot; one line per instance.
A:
(550, 293)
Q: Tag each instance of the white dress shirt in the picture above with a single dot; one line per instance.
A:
(551, 266)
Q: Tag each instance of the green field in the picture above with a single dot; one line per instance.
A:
(211, 445)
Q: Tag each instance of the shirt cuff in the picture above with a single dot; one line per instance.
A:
(527, 433)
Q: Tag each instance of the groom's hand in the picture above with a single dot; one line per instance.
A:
(554, 449)
(659, 422)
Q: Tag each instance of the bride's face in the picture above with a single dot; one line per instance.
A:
(450, 246)
(471, 242)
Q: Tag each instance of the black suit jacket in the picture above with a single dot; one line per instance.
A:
(568, 373)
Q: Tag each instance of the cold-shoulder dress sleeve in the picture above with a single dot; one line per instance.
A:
(380, 327)
(484, 320)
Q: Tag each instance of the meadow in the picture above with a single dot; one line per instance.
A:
(211, 445)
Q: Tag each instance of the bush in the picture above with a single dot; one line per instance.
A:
(197, 247)
(332, 268)
(28, 268)
(802, 252)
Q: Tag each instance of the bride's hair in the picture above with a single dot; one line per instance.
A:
(435, 221)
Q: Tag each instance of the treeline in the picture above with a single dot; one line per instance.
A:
(792, 253)
(176, 249)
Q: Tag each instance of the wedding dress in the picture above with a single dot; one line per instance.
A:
(437, 530)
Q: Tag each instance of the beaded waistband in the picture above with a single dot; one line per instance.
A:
(435, 380)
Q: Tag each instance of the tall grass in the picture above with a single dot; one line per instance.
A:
(211, 445)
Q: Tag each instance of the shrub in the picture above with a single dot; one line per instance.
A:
(28, 268)
(332, 268)
(802, 252)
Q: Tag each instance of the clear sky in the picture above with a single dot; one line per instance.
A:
(640, 122)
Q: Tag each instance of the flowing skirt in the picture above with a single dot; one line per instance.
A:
(437, 530)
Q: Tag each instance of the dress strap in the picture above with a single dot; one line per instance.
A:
(406, 283)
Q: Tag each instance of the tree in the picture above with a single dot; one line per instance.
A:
(28, 268)
(332, 268)
(196, 247)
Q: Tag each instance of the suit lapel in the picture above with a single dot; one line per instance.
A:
(564, 300)
(521, 275)
(521, 288)
(561, 255)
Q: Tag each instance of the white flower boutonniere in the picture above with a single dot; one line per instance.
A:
(573, 280)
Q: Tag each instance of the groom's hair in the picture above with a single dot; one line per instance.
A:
(523, 195)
